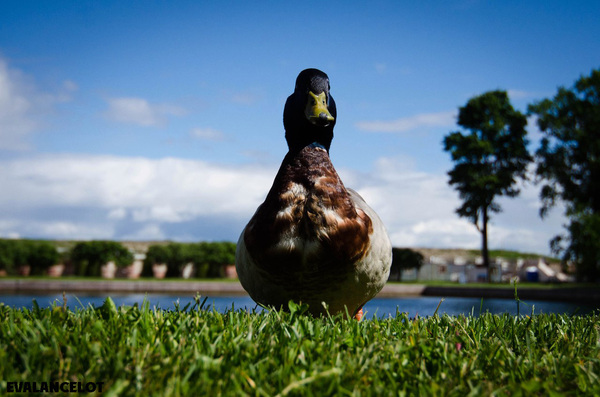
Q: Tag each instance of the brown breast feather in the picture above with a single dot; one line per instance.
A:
(308, 225)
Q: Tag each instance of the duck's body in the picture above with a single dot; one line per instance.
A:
(312, 240)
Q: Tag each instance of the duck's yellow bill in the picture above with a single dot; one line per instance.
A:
(316, 109)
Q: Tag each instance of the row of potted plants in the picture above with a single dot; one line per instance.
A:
(110, 258)
(27, 257)
(201, 260)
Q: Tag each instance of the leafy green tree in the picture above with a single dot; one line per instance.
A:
(178, 256)
(13, 254)
(209, 257)
(89, 256)
(489, 157)
(568, 163)
(20, 252)
(403, 259)
(41, 256)
(7, 262)
(198, 255)
(218, 255)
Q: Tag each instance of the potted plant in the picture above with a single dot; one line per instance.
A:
(91, 256)
(155, 263)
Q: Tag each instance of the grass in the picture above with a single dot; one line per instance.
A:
(193, 351)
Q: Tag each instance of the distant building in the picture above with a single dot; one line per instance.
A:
(462, 270)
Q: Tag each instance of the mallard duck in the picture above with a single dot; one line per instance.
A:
(313, 240)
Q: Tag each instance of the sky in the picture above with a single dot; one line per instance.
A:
(151, 120)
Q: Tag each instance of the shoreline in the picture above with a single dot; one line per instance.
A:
(234, 288)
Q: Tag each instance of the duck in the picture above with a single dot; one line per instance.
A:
(313, 241)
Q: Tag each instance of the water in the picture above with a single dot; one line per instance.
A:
(380, 307)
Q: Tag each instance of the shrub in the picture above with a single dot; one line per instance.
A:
(210, 258)
(402, 259)
(178, 257)
(207, 257)
(6, 261)
(89, 256)
(20, 252)
(41, 255)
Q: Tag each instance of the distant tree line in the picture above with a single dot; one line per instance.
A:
(87, 257)
(491, 157)
(207, 258)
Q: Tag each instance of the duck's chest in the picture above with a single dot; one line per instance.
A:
(308, 217)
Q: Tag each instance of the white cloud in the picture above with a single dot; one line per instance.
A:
(120, 192)
(79, 197)
(418, 210)
(140, 112)
(15, 108)
(65, 229)
(160, 189)
(445, 232)
(151, 232)
(417, 207)
(117, 213)
(57, 229)
(161, 213)
(521, 94)
(209, 134)
(423, 120)
(23, 106)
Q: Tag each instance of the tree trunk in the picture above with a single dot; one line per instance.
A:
(484, 243)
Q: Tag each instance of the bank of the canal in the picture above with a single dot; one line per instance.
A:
(564, 293)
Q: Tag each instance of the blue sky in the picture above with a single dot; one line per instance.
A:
(163, 120)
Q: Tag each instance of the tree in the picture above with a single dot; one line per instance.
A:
(11, 254)
(178, 255)
(402, 259)
(6, 262)
(209, 257)
(89, 256)
(489, 158)
(568, 163)
(42, 255)
(20, 252)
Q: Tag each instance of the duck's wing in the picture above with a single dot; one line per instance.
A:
(378, 227)
(379, 258)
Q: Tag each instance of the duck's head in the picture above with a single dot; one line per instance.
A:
(310, 114)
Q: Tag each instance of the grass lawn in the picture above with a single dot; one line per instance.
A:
(192, 351)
